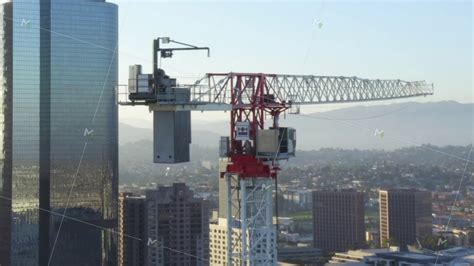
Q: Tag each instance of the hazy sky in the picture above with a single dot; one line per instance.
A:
(422, 40)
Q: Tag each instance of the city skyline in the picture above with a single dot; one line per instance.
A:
(59, 124)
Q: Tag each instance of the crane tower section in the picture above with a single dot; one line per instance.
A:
(252, 155)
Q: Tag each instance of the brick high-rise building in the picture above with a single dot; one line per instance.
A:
(405, 216)
(179, 223)
(338, 220)
(132, 241)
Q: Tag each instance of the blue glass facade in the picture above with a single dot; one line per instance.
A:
(59, 73)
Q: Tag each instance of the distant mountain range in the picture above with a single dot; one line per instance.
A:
(374, 127)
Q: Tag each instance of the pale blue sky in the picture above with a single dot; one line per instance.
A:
(422, 40)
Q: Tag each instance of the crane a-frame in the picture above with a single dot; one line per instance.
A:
(250, 155)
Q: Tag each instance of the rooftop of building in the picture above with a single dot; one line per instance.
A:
(300, 256)
(414, 257)
(458, 252)
(402, 190)
(354, 256)
(360, 253)
(136, 197)
(351, 263)
(171, 193)
(299, 250)
(130, 195)
(341, 190)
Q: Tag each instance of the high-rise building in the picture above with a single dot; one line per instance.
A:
(131, 224)
(405, 216)
(223, 199)
(177, 226)
(338, 220)
(218, 243)
(58, 132)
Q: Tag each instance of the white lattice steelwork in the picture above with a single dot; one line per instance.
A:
(214, 91)
(308, 89)
(252, 223)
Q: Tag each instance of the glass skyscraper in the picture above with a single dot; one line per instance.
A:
(58, 132)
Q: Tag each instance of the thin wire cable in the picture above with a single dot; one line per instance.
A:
(342, 212)
(107, 229)
(105, 82)
(184, 253)
(115, 52)
(85, 145)
(466, 160)
(90, 43)
(459, 187)
(80, 162)
(80, 221)
(466, 165)
(67, 202)
(353, 215)
(102, 47)
(367, 117)
(313, 33)
(395, 138)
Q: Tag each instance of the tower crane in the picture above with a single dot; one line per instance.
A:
(250, 155)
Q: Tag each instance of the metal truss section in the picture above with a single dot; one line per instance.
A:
(325, 89)
(305, 89)
(234, 245)
(252, 223)
(225, 91)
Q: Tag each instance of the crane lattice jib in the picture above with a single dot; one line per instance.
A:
(255, 97)
(308, 89)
